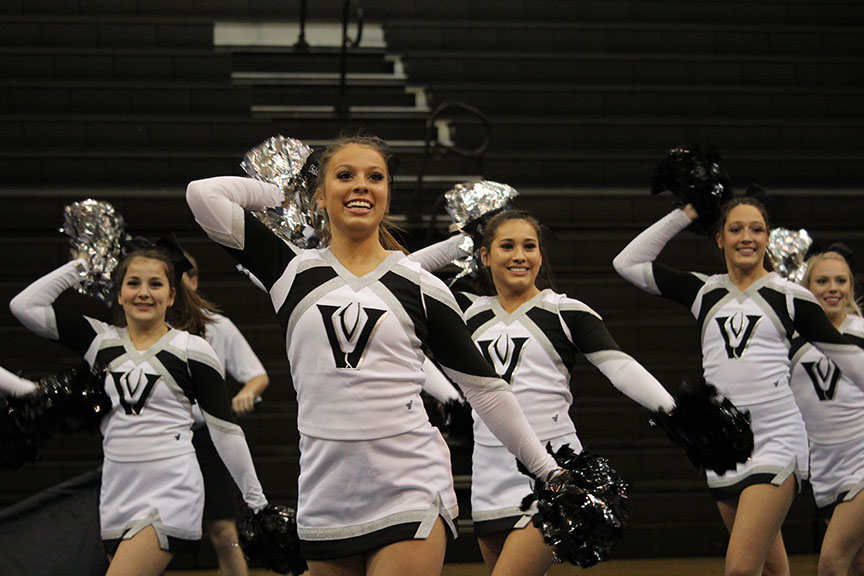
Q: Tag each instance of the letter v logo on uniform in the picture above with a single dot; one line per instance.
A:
(349, 329)
(133, 388)
(824, 375)
(503, 354)
(737, 330)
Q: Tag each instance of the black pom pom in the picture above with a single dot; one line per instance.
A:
(269, 537)
(714, 433)
(458, 422)
(25, 428)
(68, 402)
(77, 398)
(581, 510)
(696, 177)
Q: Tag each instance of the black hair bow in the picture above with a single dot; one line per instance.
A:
(168, 245)
(838, 247)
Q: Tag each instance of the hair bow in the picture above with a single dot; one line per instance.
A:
(838, 247)
(168, 245)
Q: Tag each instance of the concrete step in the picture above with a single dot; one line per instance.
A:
(571, 132)
(811, 12)
(114, 32)
(71, 99)
(274, 61)
(650, 99)
(308, 94)
(113, 63)
(631, 69)
(697, 37)
(518, 167)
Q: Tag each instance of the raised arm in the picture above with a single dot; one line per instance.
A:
(34, 308)
(635, 262)
(221, 207)
(218, 204)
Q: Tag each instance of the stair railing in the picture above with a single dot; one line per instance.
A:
(433, 146)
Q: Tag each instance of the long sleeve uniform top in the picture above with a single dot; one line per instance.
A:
(356, 344)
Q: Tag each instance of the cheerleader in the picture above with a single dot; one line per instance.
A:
(747, 318)
(152, 495)
(532, 337)
(239, 360)
(833, 410)
(375, 489)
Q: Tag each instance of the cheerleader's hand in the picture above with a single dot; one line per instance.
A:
(714, 434)
(690, 211)
(244, 402)
(269, 537)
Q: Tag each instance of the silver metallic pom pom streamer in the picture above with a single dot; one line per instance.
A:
(787, 250)
(96, 233)
(469, 201)
(470, 205)
(291, 165)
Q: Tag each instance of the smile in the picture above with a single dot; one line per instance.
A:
(359, 204)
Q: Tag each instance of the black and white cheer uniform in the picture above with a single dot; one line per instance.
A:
(373, 469)
(833, 410)
(746, 337)
(150, 476)
(535, 348)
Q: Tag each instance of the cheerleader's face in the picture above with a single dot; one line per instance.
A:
(513, 257)
(831, 283)
(356, 191)
(145, 293)
(743, 238)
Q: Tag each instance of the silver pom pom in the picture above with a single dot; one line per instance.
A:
(96, 232)
(285, 162)
(469, 201)
(469, 204)
(786, 250)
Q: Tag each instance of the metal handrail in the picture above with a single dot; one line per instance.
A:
(301, 45)
(431, 146)
(342, 101)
